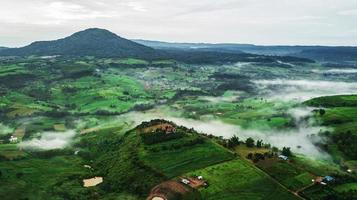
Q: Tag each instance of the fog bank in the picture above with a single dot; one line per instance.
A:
(49, 141)
(297, 138)
(336, 71)
(4, 130)
(301, 90)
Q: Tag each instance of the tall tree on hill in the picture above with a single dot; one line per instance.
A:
(286, 151)
(249, 142)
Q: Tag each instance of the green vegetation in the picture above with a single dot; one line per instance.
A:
(102, 99)
(341, 114)
(38, 178)
(239, 179)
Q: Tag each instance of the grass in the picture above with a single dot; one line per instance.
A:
(248, 113)
(287, 173)
(334, 101)
(346, 187)
(11, 152)
(132, 61)
(43, 178)
(243, 150)
(175, 162)
(341, 115)
(238, 179)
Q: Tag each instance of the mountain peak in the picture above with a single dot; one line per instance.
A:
(96, 32)
(89, 42)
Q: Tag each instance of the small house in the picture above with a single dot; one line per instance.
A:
(328, 178)
(282, 157)
(185, 181)
(318, 179)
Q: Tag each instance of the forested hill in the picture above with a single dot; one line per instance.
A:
(90, 42)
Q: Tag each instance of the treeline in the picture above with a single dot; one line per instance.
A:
(159, 136)
(215, 57)
(234, 141)
(175, 146)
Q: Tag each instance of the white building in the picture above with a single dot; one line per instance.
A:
(13, 139)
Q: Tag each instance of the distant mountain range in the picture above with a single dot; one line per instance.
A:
(321, 53)
(90, 42)
(103, 43)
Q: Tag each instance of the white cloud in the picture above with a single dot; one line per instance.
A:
(137, 6)
(348, 12)
(242, 21)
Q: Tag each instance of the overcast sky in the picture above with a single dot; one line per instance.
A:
(324, 22)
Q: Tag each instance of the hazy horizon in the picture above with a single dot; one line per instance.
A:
(277, 22)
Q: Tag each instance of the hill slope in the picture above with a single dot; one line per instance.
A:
(340, 112)
(90, 42)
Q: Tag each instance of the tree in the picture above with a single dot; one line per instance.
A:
(249, 142)
(286, 151)
(275, 149)
(259, 143)
(250, 156)
(322, 112)
(233, 142)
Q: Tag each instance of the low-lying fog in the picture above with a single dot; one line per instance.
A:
(49, 140)
(336, 71)
(298, 139)
(301, 90)
(4, 130)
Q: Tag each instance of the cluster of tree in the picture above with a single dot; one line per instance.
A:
(210, 56)
(107, 112)
(249, 142)
(143, 107)
(236, 84)
(51, 153)
(286, 151)
(232, 142)
(153, 123)
(5, 137)
(225, 76)
(189, 143)
(160, 136)
(40, 93)
(256, 157)
(57, 113)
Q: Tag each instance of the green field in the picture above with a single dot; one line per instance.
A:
(239, 179)
(182, 160)
(36, 178)
(341, 114)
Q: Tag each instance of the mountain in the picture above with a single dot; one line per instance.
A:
(103, 43)
(329, 53)
(90, 42)
(321, 53)
(223, 47)
(2, 48)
